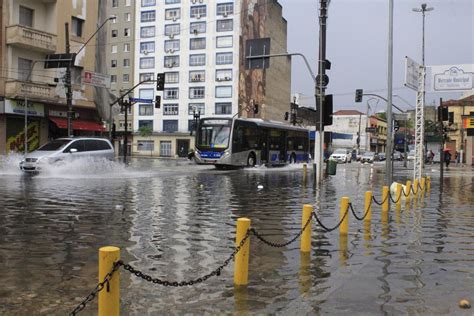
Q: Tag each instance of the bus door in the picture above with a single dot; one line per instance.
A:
(265, 141)
(282, 146)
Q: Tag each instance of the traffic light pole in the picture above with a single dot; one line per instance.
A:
(68, 85)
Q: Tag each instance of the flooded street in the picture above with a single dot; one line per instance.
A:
(176, 221)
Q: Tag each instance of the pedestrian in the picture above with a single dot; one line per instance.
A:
(456, 157)
(447, 158)
(431, 156)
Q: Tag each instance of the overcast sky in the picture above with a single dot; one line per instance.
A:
(357, 45)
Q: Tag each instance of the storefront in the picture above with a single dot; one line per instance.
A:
(468, 125)
(83, 123)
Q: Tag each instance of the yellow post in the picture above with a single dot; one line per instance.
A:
(344, 228)
(415, 187)
(109, 297)
(306, 235)
(423, 184)
(385, 204)
(428, 183)
(367, 206)
(408, 191)
(241, 265)
(399, 196)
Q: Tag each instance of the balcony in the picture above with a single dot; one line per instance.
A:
(32, 90)
(29, 38)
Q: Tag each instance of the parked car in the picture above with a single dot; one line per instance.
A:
(381, 156)
(359, 155)
(368, 156)
(342, 155)
(397, 156)
(67, 148)
(411, 155)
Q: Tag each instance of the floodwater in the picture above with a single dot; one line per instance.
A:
(176, 221)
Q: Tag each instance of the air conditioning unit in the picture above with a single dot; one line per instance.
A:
(198, 16)
(171, 35)
(218, 79)
(227, 78)
(195, 31)
(174, 19)
(171, 51)
(225, 14)
(145, 52)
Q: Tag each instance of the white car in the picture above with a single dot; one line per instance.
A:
(342, 155)
(411, 155)
(67, 148)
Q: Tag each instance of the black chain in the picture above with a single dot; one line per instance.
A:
(365, 213)
(399, 197)
(97, 289)
(380, 203)
(413, 189)
(216, 272)
(404, 193)
(335, 227)
(277, 245)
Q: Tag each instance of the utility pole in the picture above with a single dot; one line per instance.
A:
(358, 135)
(389, 144)
(67, 78)
(125, 104)
(321, 82)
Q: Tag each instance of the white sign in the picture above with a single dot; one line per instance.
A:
(412, 74)
(449, 78)
(18, 107)
(96, 79)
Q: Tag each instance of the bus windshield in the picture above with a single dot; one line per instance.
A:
(214, 134)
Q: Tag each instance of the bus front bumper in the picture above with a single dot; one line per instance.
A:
(212, 158)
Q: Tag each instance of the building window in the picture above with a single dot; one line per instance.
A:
(225, 9)
(115, 3)
(147, 31)
(198, 11)
(224, 92)
(126, 78)
(171, 94)
(148, 3)
(224, 41)
(26, 16)
(113, 49)
(146, 94)
(224, 75)
(146, 145)
(171, 61)
(147, 62)
(171, 77)
(172, 1)
(145, 109)
(147, 47)
(191, 125)
(197, 43)
(224, 108)
(145, 123)
(197, 93)
(127, 17)
(128, 3)
(113, 78)
(196, 108)
(76, 26)
(170, 109)
(126, 47)
(171, 46)
(197, 76)
(225, 25)
(450, 117)
(197, 60)
(24, 68)
(172, 29)
(165, 147)
(126, 62)
(114, 33)
(197, 28)
(147, 16)
(224, 58)
(172, 14)
(170, 126)
(146, 76)
(113, 63)
(126, 32)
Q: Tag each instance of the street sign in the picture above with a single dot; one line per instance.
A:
(370, 129)
(59, 60)
(412, 74)
(138, 100)
(448, 78)
(96, 79)
(400, 116)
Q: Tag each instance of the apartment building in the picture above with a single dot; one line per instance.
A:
(120, 51)
(200, 45)
(346, 126)
(30, 30)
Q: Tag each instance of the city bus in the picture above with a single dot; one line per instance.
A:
(246, 142)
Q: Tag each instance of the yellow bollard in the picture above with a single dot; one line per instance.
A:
(415, 187)
(423, 184)
(428, 183)
(305, 169)
(344, 228)
(241, 265)
(343, 254)
(399, 196)
(367, 205)
(109, 297)
(408, 191)
(385, 204)
(306, 235)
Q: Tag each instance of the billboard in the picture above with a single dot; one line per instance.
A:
(96, 79)
(412, 73)
(449, 78)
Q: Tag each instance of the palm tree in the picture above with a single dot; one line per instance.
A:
(146, 131)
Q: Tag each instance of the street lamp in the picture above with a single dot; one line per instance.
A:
(423, 9)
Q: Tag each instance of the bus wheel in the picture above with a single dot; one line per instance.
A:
(293, 158)
(251, 160)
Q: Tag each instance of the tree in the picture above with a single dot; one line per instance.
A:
(146, 131)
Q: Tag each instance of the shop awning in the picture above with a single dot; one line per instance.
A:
(79, 125)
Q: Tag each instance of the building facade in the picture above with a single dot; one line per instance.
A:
(345, 128)
(200, 46)
(31, 30)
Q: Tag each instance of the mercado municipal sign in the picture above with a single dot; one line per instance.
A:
(452, 78)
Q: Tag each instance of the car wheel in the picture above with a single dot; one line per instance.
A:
(251, 161)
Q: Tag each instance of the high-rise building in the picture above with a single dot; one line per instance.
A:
(31, 30)
(200, 46)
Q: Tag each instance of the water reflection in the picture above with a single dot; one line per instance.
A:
(176, 221)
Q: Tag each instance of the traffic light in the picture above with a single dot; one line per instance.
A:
(160, 81)
(157, 102)
(327, 110)
(396, 127)
(286, 116)
(358, 95)
(442, 113)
